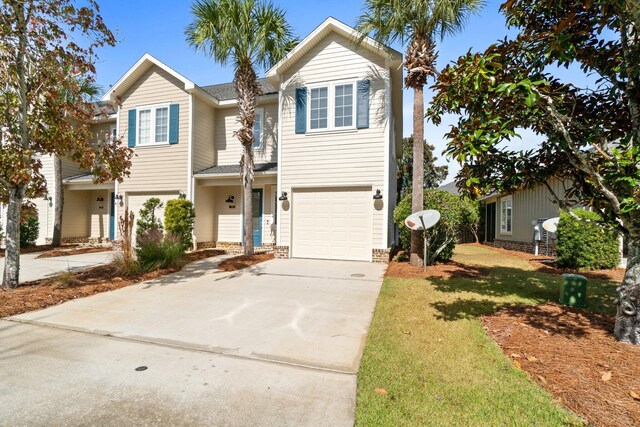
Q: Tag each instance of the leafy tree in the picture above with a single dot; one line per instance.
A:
(591, 135)
(179, 220)
(149, 221)
(246, 34)
(454, 212)
(418, 23)
(433, 175)
(44, 46)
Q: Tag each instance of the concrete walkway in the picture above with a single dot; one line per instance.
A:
(276, 344)
(34, 268)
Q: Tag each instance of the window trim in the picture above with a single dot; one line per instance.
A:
(508, 214)
(331, 105)
(152, 127)
(260, 111)
(113, 132)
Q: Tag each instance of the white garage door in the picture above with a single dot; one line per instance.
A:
(332, 223)
(135, 202)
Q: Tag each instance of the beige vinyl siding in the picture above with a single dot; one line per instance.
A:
(99, 213)
(268, 194)
(203, 148)
(228, 148)
(529, 205)
(227, 218)
(343, 157)
(205, 214)
(76, 220)
(45, 208)
(157, 167)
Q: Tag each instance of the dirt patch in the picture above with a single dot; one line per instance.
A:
(545, 264)
(74, 251)
(446, 270)
(573, 354)
(41, 248)
(243, 261)
(40, 294)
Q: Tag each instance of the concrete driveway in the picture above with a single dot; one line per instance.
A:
(277, 344)
(34, 268)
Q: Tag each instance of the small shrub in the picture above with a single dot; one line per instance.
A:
(127, 267)
(156, 251)
(29, 225)
(149, 221)
(179, 218)
(454, 216)
(66, 279)
(582, 244)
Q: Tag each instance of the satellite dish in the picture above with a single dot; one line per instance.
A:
(551, 225)
(422, 220)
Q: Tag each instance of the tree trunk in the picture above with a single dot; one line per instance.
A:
(417, 203)
(627, 328)
(248, 205)
(58, 198)
(11, 277)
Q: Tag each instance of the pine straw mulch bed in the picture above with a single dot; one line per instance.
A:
(43, 293)
(41, 248)
(572, 353)
(545, 264)
(59, 252)
(243, 261)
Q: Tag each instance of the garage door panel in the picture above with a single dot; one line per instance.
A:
(136, 201)
(332, 223)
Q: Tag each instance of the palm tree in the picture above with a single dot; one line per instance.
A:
(246, 34)
(417, 23)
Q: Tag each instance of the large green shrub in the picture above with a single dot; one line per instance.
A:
(29, 225)
(456, 213)
(179, 218)
(149, 220)
(156, 251)
(584, 244)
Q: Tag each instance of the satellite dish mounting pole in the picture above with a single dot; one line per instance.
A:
(425, 244)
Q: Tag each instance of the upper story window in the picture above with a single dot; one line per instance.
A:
(153, 125)
(258, 134)
(331, 106)
(506, 215)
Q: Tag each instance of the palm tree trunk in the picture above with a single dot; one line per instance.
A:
(58, 200)
(417, 202)
(11, 275)
(248, 204)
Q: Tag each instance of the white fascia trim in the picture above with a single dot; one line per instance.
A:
(340, 28)
(261, 98)
(387, 157)
(116, 184)
(279, 172)
(190, 151)
(230, 175)
(110, 95)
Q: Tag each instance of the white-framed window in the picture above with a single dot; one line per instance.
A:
(506, 215)
(331, 106)
(113, 133)
(258, 130)
(153, 125)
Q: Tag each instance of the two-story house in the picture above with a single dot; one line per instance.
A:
(328, 132)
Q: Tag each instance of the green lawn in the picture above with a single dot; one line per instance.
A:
(428, 350)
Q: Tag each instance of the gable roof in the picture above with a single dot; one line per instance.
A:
(450, 187)
(227, 92)
(140, 67)
(328, 26)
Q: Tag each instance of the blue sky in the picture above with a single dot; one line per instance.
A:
(157, 27)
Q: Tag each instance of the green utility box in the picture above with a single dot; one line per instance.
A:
(573, 290)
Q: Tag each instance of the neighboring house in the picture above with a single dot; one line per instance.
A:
(328, 133)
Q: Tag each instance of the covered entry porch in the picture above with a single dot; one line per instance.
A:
(218, 199)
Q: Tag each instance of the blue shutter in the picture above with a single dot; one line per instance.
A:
(174, 127)
(301, 110)
(132, 128)
(362, 104)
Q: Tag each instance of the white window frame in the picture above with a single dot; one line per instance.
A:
(331, 105)
(113, 132)
(260, 147)
(507, 202)
(152, 130)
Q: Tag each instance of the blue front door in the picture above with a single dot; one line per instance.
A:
(257, 217)
(112, 218)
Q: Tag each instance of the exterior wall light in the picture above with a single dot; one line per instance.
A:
(100, 199)
(118, 197)
(283, 197)
(230, 199)
(182, 195)
(377, 196)
(47, 198)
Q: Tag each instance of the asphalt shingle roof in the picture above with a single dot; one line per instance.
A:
(226, 92)
(83, 177)
(450, 187)
(235, 169)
